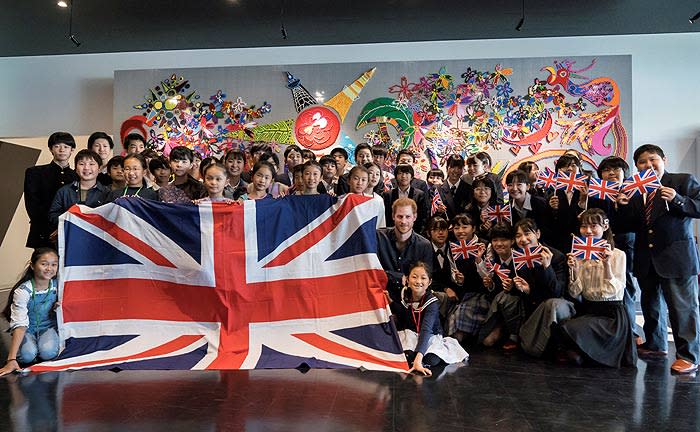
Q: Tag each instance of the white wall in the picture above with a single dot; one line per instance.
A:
(74, 92)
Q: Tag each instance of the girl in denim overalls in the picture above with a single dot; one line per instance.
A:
(30, 311)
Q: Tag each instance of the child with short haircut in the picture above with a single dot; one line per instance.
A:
(85, 191)
(311, 177)
(136, 186)
(436, 178)
(566, 206)
(41, 184)
(31, 313)
(328, 174)
(525, 205)
(102, 144)
(134, 143)
(341, 161)
(379, 154)
(160, 169)
(263, 175)
(184, 188)
(363, 154)
(404, 174)
(298, 182)
(292, 158)
(473, 297)
(666, 259)
(236, 187)
(115, 170)
(358, 179)
(307, 155)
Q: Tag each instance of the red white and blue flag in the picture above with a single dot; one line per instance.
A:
(462, 250)
(498, 269)
(269, 284)
(546, 178)
(436, 204)
(603, 189)
(641, 183)
(588, 248)
(570, 181)
(527, 257)
(499, 213)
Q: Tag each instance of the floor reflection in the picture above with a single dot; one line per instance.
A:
(493, 392)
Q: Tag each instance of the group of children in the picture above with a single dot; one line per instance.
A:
(575, 310)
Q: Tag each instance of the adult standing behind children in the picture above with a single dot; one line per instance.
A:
(399, 246)
(41, 184)
(666, 259)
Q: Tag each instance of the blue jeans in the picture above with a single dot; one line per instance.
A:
(680, 295)
(43, 347)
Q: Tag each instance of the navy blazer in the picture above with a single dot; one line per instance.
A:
(564, 221)
(416, 195)
(542, 215)
(457, 202)
(40, 186)
(667, 243)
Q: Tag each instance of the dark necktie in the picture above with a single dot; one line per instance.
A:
(453, 189)
(649, 206)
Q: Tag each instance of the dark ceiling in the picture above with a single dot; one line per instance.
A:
(39, 27)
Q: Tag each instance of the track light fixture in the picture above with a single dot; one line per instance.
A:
(283, 29)
(522, 17)
(694, 18)
(71, 35)
(62, 3)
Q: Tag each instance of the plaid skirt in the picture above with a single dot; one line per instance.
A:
(469, 315)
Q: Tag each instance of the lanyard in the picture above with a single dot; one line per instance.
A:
(135, 194)
(416, 314)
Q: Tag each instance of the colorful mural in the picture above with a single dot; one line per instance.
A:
(503, 110)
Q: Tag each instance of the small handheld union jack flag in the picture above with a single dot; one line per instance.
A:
(498, 269)
(546, 178)
(463, 249)
(499, 213)
(641, 183)
(603, 189)
(528, 256)
(436, 206)
(570, 181)
(387, 182)
(588, 248)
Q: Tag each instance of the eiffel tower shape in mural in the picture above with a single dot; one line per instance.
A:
(302, 97)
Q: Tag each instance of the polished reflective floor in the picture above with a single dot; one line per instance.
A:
(493, 392)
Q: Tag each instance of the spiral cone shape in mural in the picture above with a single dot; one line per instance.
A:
(342, 101)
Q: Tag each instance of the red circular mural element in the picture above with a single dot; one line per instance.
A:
(317, 127)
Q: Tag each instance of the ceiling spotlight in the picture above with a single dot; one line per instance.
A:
(694, 18)
(62, 3)
(74, 40)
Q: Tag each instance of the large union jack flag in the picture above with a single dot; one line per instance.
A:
(641, 182)
(588, 248)
(269, 284)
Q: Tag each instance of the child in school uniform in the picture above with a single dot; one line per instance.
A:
(31, 313)
(234, 160)
(566, 206)
(85, 191)
(483, 195)
(525, 205)
(134, 169)
(666, 259)
(184, 188)
(601, 330)
(41, 184)
(417, 318)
